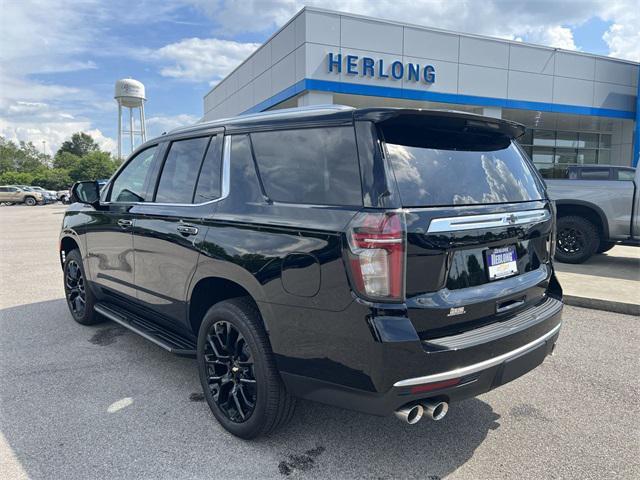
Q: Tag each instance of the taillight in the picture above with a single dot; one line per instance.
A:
(377, 254)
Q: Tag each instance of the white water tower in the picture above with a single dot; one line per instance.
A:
(130, 95)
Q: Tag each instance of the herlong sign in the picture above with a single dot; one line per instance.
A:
(378, 68)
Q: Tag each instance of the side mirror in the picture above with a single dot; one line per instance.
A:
(85, 192)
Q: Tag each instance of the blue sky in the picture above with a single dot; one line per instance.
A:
(60, 59)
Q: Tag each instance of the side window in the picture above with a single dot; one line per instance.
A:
(244, 186)
(311, 165)
(595, 174)
(4, 189)
(180, 170)
(129, 184)
(209, 181)
(626, 174)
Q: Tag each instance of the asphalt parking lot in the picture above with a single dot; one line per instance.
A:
(100, 402)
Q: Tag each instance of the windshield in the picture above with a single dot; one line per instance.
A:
(433, 177)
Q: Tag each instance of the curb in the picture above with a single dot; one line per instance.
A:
(599, 304)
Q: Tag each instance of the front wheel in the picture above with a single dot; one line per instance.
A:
(577, 239)
(30, 201)
(237, 371)
(80, 298)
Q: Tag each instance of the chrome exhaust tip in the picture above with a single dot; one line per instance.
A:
(435, 410)
(410, 414)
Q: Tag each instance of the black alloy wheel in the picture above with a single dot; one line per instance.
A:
(80, 298)
(231, 379)
(576, 239)
(238, 372)
(572, 241)
(75, 289)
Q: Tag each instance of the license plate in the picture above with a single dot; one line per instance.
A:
(502, 262)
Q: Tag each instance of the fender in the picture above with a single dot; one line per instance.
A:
(209, 267)
(591, 206)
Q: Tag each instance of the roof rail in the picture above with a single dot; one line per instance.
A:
(283, 112)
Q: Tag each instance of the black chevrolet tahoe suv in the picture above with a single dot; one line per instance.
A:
(382, 260)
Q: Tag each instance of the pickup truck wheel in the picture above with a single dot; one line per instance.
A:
(80, 298)
(577, 239)
(605, 246)
(30, 201)
(237, 371)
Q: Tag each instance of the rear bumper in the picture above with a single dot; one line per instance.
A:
(405, 372)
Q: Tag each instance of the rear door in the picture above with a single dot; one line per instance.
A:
(169, 230)
(478, 226)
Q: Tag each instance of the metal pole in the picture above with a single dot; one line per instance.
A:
(143, 127)
(131, 127)
(119, 131)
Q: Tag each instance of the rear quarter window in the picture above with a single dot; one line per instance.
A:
(310, 165)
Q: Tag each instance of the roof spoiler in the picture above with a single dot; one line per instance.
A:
(449, 120)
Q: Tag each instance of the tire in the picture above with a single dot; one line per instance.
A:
(80, 298)
(577, 239)
(241, 365)
(605, 246)
(30, 201)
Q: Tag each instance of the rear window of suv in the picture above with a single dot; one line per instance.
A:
(310, 165)
(432, 177)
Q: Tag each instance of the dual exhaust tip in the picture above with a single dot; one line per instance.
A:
(412, 414)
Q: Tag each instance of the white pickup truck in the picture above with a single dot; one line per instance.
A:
(597, 209)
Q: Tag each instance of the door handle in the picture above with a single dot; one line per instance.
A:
(125, 223)
(187, 229)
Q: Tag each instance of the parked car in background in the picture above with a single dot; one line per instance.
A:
(50, 195)
(382, 260)
(64, 196)
(597, 207)
(47, 196)
(10, 194)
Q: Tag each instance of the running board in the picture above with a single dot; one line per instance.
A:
(161, 336)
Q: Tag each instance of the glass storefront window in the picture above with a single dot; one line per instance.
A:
(542, 155)
(566, 155)
(587, 156)
(605, 140)
(567, 139)
(545, 138)
(527, 138)
(604, 156)
(588, 140)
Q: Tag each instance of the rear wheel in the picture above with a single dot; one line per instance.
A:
(237, 371)
(30, 201)
(577, 239)
(80, 298)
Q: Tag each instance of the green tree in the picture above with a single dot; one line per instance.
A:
(22, 157)
(16, 178)
(80, 145)
(65, 160)
(53, 179)
(93, 166)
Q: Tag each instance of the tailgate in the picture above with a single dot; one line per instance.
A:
(467, 266)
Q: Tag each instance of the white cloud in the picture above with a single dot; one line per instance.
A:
(548, 22)
(623, 36)
(200, 59)
(53, 132)
(554, 36)
(159, 124)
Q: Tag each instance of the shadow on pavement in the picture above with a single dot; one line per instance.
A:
(603, 265)
(101, 402)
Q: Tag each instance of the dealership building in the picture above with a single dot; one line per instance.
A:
(577, 107)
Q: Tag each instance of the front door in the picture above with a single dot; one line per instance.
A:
(169, 231)
(109, 234)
